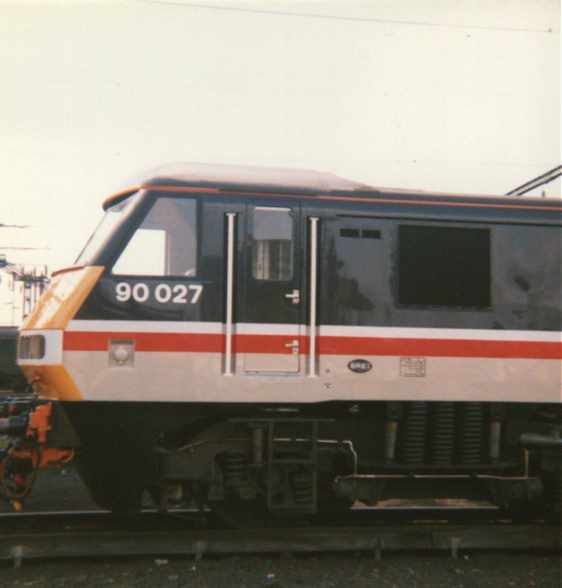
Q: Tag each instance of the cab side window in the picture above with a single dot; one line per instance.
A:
(165, 244)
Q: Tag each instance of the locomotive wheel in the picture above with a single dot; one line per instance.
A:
(328, 502)
(113, 490)
(236, 513)
(116, 466)
(553, 495)
(121, 499)
(524, 513)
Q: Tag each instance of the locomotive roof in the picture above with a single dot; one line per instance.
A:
(246, 178)
(277, 180)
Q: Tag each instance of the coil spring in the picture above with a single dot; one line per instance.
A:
(443, 435)
(233, 465)
(472, 425)
(303, 487)
(413, 447)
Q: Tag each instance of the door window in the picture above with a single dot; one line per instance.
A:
(272, 244)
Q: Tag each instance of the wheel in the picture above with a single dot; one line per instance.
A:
(337, 464)
(121, 498)
(329, 503)
(235, 513)
(116, 490)
(553, 497)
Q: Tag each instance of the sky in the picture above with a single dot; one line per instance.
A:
(460, 96)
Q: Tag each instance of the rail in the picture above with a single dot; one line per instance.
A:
(74, 535)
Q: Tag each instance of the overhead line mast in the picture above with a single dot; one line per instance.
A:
(34, 277)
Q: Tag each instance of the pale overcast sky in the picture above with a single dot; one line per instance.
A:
(459, 95)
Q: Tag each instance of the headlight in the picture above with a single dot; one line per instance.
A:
(31, 347)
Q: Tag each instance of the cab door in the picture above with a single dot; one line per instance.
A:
(269, 335)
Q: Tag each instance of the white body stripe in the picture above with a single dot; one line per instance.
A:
(144, 327)
(439, 333)
(325, 330)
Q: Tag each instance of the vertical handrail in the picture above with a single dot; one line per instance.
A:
(231, 219)
(313, 295)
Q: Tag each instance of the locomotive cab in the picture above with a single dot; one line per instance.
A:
(292, 342)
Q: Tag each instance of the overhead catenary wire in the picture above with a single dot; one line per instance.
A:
(16, 248)
(415, 23)
(541, 180)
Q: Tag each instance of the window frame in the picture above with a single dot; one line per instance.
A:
(148, 205)
(253, 241)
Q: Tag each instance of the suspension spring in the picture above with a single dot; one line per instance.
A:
(472, 427)
(234, 466)
(303, 487)
(413, 446)
(443, 433)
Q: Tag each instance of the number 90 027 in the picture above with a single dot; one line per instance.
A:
(162, 293)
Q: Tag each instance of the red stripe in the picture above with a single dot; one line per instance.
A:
(277, 344)
(201, 342)
(439, 347)
(194, 342)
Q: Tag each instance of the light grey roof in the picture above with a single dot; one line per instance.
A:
(266, 177)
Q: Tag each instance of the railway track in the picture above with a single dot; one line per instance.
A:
(453, 531)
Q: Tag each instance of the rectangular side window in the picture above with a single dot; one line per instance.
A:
(444, 266)
(272, 244)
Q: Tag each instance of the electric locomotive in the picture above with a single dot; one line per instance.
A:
(289, 342)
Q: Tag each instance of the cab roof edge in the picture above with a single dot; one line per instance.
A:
(279, 181)
(117, 196)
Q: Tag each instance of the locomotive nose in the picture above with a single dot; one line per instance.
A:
(41, 340)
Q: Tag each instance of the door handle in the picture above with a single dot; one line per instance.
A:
(294, 345)
(294, 296)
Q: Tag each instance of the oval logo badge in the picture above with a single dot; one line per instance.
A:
(360, 366)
